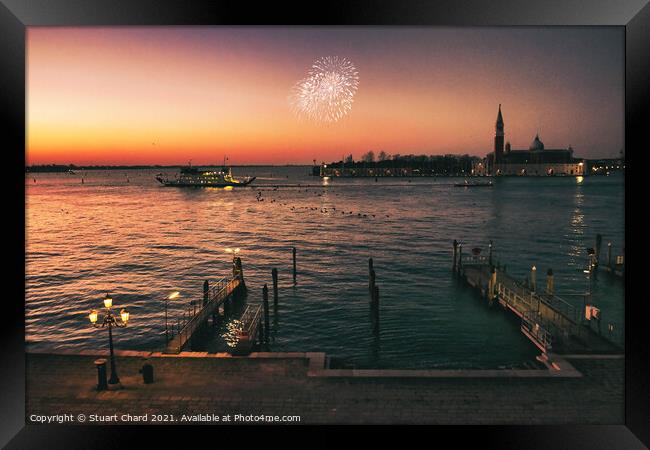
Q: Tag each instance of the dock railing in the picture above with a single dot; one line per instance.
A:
(532, 326)
(518, 293)
(515, 297)
(474, 260)
(250, 320)
(560, 305)
(216, 295)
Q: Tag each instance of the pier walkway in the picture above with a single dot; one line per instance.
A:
(549, 321)
(213, 298)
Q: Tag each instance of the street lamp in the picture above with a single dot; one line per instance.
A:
(171, 296)
(234, 252)
(110, 320)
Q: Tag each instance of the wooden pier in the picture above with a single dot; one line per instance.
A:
(215, 296)
(550, 322)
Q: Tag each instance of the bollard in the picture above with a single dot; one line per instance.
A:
(265, 299)
(274, 274)
(147, 372)
(206, 292)
(293, 250)
(609, 254)
(102, 384)
(549, 282)
(533, 278)
(454, 265)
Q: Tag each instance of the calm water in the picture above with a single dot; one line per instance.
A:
(140, 241)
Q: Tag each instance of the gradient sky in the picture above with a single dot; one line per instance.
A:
(165, 95)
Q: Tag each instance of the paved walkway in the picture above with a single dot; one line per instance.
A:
(285, 385)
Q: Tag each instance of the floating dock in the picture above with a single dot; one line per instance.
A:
(551, 323)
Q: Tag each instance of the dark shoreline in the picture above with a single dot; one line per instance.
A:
(56, 168)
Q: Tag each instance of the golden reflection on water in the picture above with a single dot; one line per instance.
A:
(577, 223)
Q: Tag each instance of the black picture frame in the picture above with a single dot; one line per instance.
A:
(16, 15)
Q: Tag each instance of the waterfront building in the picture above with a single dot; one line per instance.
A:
(534, 161)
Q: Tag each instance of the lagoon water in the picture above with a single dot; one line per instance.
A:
(121, 232)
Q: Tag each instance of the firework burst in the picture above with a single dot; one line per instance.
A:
(326, 95)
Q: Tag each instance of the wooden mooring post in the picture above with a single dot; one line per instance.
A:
(274, 275)
(492, 285)
(490, 252)
(265, 300)
(374, 309)
(293, 251)
(550, 283)
(599, 241)
(206, 290)
(454, 263)
(609, 254)
(533, 279)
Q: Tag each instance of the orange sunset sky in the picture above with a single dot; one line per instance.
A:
(165, 95)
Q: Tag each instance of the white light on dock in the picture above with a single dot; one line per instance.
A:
(173, 295)
(108, 301)
(93, 316)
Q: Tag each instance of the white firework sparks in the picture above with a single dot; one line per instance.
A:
(326, 95)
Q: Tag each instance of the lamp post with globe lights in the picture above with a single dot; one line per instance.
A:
(110, 320)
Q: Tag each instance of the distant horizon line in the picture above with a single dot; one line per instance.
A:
(153, 165)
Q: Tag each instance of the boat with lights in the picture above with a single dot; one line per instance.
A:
(194, 177)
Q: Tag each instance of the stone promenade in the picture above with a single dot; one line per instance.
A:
(589, 391)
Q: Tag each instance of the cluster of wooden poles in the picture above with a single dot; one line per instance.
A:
(265, 326)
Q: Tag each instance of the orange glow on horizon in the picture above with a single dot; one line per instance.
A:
(167, 95)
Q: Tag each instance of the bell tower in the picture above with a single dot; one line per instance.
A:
(499, 137)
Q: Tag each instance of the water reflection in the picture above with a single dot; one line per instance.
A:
(143, 241)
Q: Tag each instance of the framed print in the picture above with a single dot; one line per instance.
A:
(384, 214)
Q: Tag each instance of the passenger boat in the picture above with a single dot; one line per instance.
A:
(473, 184)
(194, 177)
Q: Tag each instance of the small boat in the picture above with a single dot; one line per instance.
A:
(473, 184)
(194, 177)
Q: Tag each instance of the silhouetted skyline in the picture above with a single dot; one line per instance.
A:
(164, 95)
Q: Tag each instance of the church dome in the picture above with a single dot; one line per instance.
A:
(536, 144)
